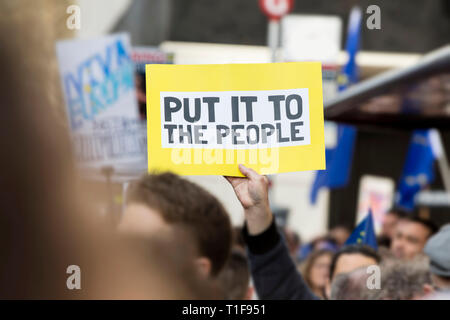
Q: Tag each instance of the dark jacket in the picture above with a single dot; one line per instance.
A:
(274, 274)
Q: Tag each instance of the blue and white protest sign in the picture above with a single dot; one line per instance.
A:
(98, 83)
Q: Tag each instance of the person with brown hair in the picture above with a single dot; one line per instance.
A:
(46, 226)
(167, 205)
(316, 271)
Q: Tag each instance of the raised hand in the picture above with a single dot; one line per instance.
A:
(253, 193)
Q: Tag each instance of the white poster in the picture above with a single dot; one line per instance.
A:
(98, 82)
(235, 119)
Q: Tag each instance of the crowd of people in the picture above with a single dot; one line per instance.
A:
(263, 261)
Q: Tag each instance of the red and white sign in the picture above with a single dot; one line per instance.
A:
(276, 9)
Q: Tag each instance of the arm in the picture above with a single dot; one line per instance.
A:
(273, 271)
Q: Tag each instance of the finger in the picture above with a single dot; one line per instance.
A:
(248, 172)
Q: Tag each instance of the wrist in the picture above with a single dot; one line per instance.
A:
(258, 218)
(263, 242)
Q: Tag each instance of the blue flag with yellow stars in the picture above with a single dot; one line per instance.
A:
(364, 233)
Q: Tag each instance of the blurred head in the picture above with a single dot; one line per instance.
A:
(158, 264)
(238, 238)
(45, 224)
(167, 205)
(390, 221)
(440, 283)
(437, 250)
(234, 279)
(403, 280)
(410, 236)
(350, 258)
(293, 241)
(351, 285)
(316, 270)
(325, 242)
(340, 234)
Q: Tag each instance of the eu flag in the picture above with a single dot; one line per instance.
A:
(338, 162)
(364, 233)
(339, 158)
(418, 169)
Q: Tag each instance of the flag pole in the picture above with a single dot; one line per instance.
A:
(273, 38)
(441, 157)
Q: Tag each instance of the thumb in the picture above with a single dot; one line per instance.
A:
(248, 172)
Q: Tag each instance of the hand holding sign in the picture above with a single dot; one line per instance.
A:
(253, 193)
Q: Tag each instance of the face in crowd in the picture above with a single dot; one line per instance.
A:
(317, 271)
(352, 261)
(389, 223)
(409, 238)
(349, 259)
(320, 271)
(172, 208)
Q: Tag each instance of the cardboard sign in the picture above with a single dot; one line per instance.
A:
(206, 119)
(98, 83)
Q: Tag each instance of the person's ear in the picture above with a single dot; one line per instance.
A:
(203, 265)
(428, 289)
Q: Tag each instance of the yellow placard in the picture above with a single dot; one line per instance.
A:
(206, 119)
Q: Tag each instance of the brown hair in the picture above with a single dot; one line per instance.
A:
(183, 203)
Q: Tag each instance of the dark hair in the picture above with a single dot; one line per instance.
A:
(430, 225)
(331, 242)
(235, 276)
(353, 249)
(238, 237)
(183, 203)
(398, 211)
